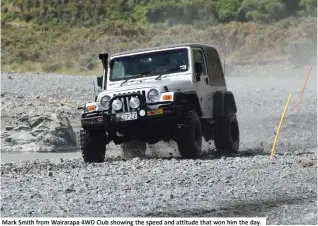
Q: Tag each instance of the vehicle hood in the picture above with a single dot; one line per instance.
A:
(173, 84)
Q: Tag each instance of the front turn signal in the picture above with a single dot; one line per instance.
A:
(167, 97)
(91, 107)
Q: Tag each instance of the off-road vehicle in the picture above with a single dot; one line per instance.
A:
(175, 92)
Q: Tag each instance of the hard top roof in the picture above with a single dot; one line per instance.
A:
(195, 45)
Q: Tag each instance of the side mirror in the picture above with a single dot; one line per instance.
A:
(198, 70)
(100, 81)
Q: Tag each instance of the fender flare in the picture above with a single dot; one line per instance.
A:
(191, 99)
(223, 101)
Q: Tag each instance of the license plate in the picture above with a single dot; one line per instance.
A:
(155, 112)
(126, 116)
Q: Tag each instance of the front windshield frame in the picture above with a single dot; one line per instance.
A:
(186, 67)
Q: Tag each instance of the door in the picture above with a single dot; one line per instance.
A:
(201, 80)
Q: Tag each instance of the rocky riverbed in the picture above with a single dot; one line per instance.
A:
(247, 184)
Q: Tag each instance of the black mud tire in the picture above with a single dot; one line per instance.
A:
(227, 137)
(189, 138)
(133, 149)
(93, 146)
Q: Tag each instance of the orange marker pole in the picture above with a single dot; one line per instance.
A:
(301, 95)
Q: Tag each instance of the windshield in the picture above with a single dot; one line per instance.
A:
(149, 64)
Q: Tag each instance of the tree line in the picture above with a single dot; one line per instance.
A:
(82, 13)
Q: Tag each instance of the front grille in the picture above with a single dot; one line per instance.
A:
(143, 92)
(125, 100)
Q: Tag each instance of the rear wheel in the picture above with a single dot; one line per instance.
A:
(93, 145)
(133, 149)
(189, 138)
(227, 137)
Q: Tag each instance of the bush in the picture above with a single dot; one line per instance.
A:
(228, 10)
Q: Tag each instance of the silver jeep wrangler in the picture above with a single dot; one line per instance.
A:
(175, 92)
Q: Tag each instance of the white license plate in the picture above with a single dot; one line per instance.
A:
(126, 116)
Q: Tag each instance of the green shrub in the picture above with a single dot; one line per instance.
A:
(228, 10)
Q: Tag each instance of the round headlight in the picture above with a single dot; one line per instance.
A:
(117, 105)
(105, 102)
(153, 95)
(134, 102)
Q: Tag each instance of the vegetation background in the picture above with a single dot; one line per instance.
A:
(65, 36)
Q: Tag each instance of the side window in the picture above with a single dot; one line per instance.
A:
(198, 57)
(215, 65)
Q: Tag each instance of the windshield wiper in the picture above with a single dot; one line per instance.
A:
(168, 71)
(136, 76)
(126, 81)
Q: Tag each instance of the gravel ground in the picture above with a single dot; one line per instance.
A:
(244, 185)
(284, 192)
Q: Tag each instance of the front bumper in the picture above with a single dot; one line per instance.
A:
(104, 119)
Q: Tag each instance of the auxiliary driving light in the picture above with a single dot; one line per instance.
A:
(117, 105)
(142, 113)
(134, 102)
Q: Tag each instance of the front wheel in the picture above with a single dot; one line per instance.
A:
(189, 138)
(227, 137)
(93, 145)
